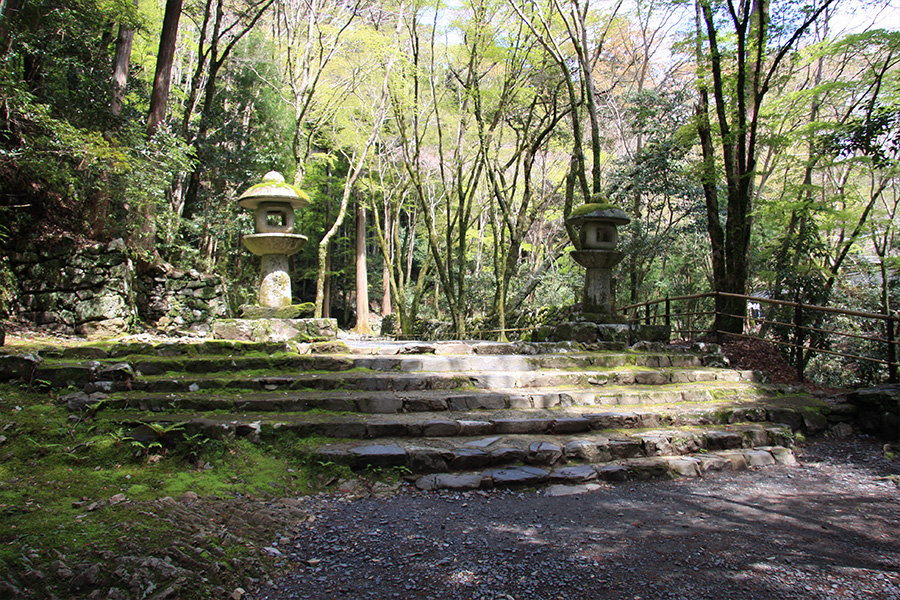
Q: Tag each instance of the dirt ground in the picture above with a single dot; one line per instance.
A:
(827, 528)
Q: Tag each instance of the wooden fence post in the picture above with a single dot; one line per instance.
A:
(668, 314)
(892, 349)
(718, 319)
(798, 338)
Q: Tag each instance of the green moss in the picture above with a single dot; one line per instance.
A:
(592, 207)
(278, 185)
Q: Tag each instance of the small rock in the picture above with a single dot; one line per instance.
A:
(842, 430)
(60, 569)
(117, 499)
(238, 594)
(33, 576)
(88, 575)
(352, 487)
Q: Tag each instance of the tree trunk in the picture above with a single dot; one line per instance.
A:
(362, 276)
(165, 58)
(386, 308)
(121, 61)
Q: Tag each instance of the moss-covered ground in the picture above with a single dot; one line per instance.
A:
(79, 488)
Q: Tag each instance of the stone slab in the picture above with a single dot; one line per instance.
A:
(483, 443)
(472, 428)
(469, 459)
(544, 453)
(723, 440)
(506, 456)
(377, 429)
(685, 467)
(380, 455)
(574, 474)
(293, 311)
(440, 428)
(517, 476)
(571, 425)
(612, 473)
(559, 490)
(275, 330)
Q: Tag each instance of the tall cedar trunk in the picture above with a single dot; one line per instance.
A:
(165, 58)
(192, 195)
(362, 276)
(120, 66)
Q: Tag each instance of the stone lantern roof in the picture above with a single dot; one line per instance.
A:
(598, 211)
(273, 189)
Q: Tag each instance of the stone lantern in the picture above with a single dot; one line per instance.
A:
(597, 234)
(273, 202)
(275, 318)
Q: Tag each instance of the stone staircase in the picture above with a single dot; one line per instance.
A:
(448, 415)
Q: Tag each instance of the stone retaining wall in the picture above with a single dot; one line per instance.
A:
(94, 290)
(188, 300)
(878, 410)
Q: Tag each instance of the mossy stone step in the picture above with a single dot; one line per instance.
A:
(414, 400)
(72, 371)
(120, 378)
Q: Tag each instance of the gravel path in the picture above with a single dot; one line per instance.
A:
(825, 529)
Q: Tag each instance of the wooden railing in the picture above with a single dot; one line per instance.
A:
(802, 331)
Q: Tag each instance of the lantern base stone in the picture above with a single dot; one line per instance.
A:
(276, 330)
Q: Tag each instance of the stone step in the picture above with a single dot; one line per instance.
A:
(789, 414)
(113, 380)
(564, 480)
(185, 397)
(226, 348)
(429, 455)
(66, 368)
(455, 446)
(155, 365)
